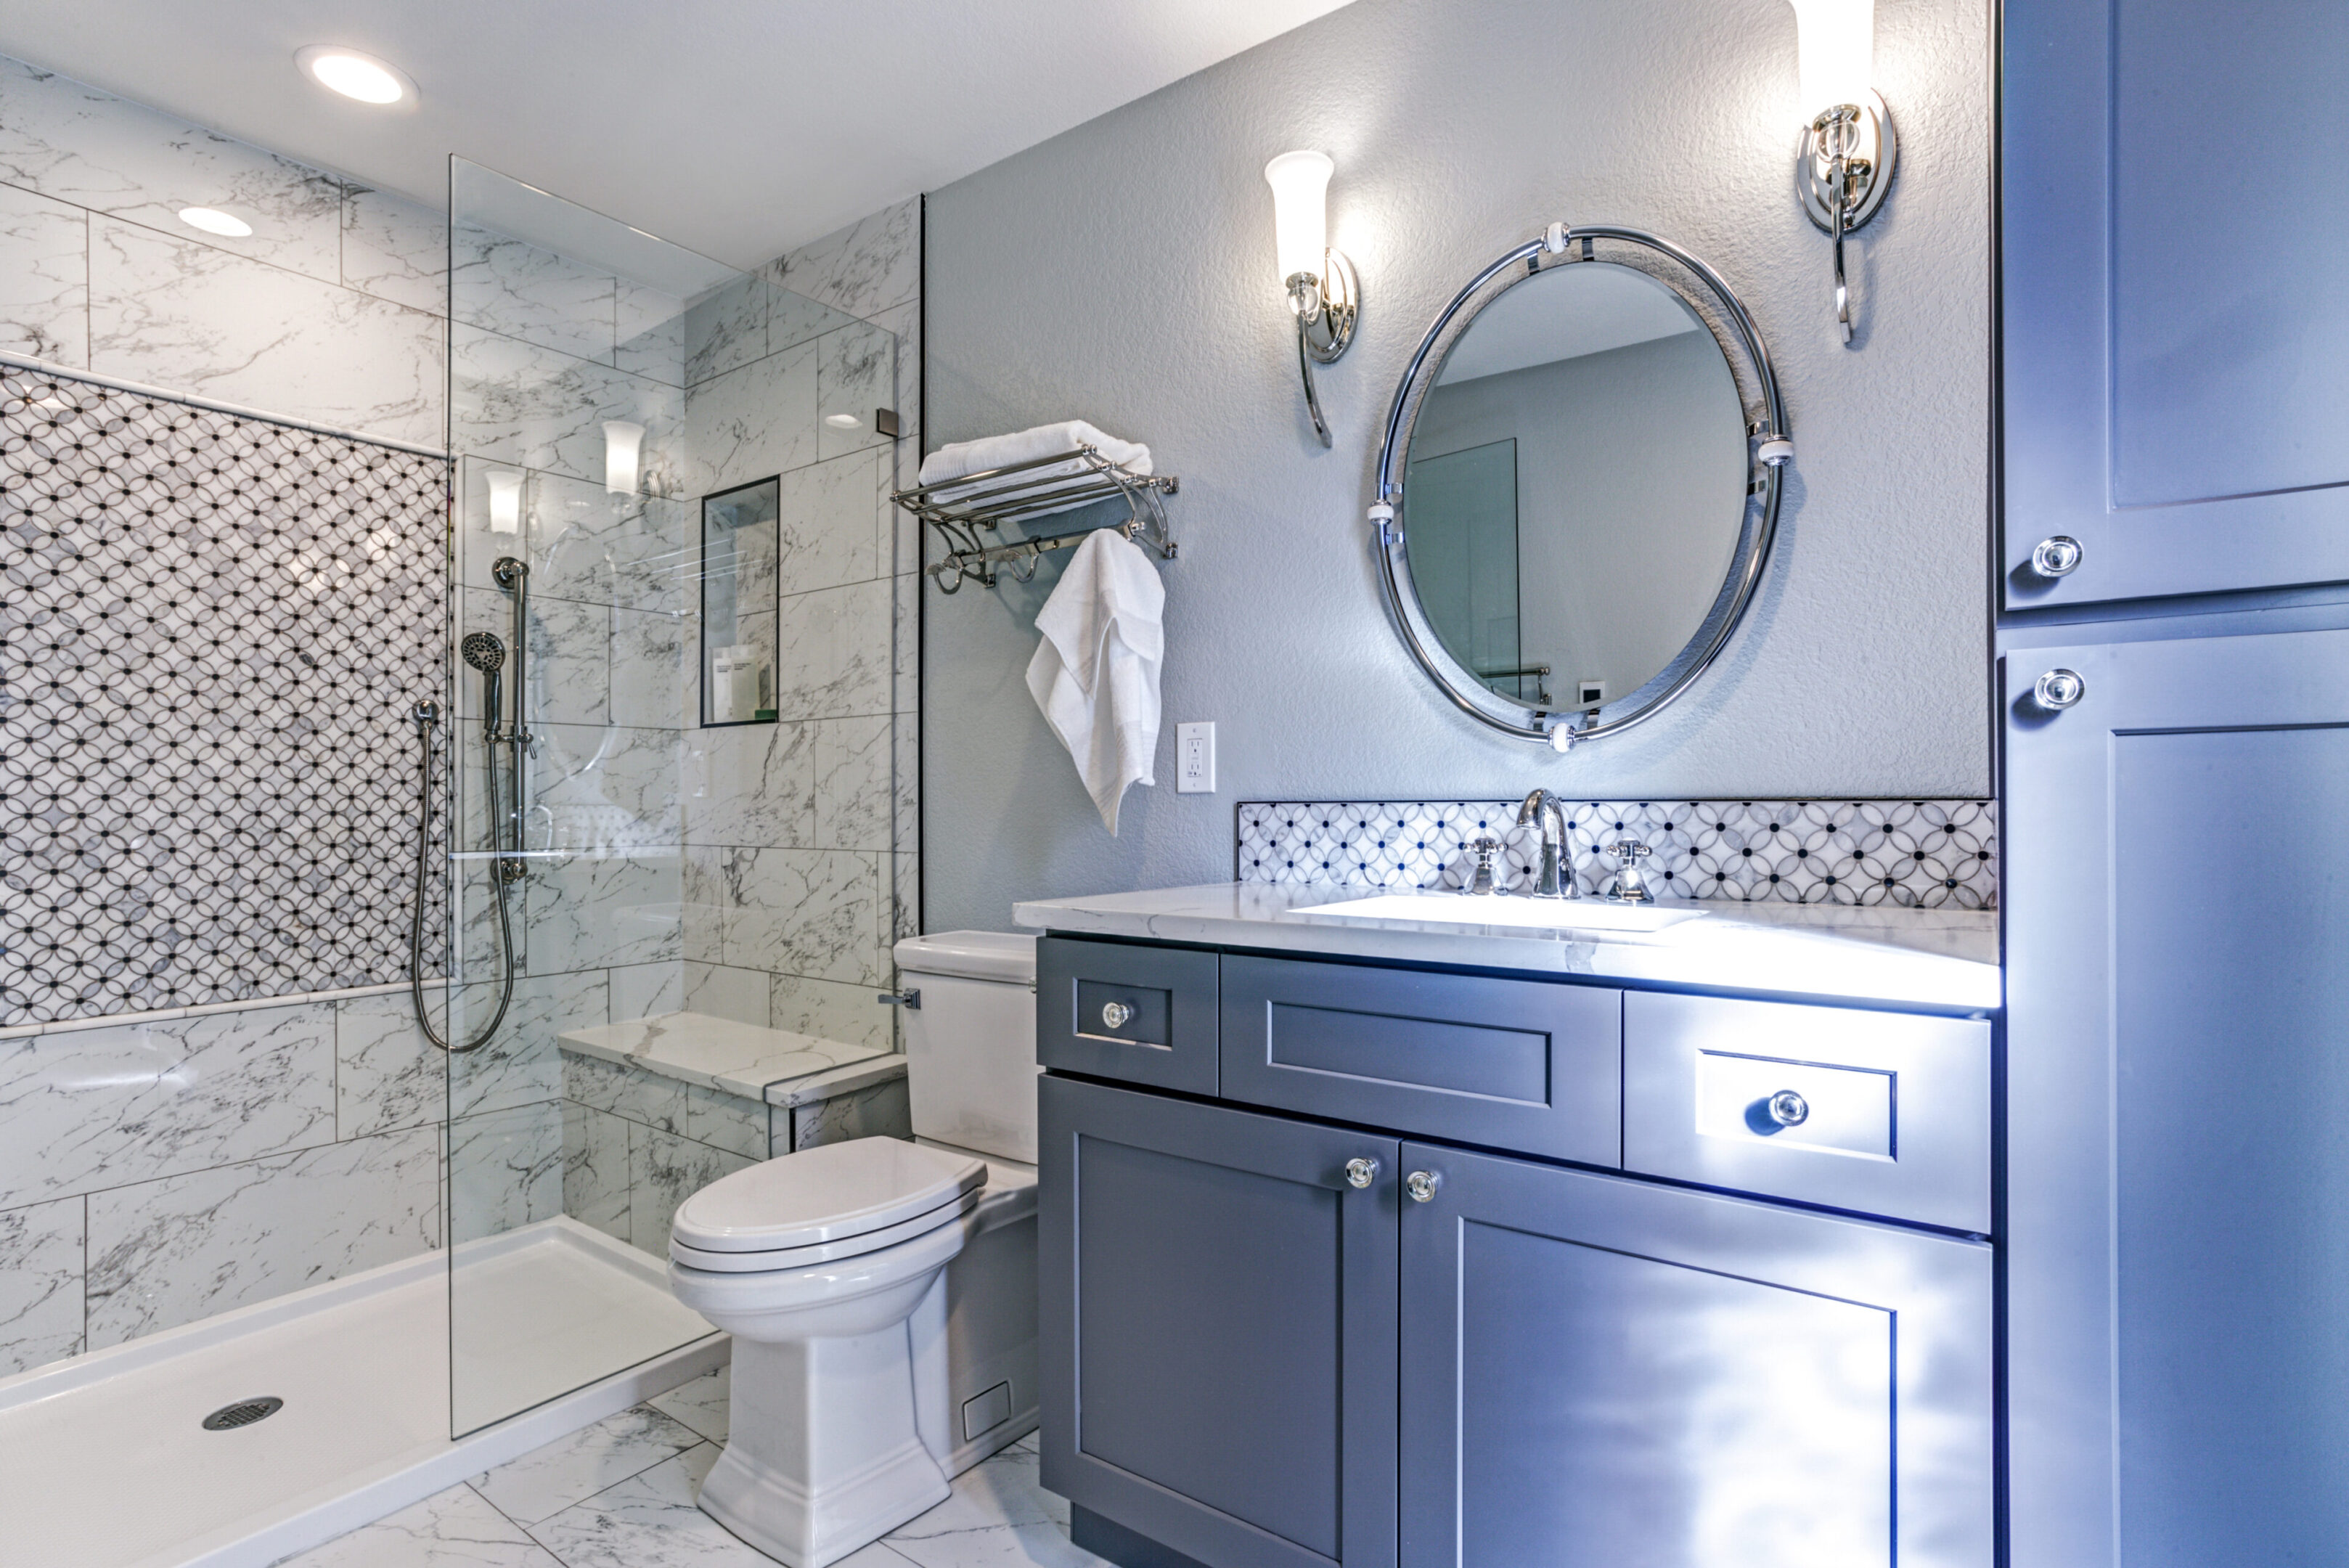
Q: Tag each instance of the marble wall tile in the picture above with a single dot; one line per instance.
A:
(40, 1283)
(517, 290)
(853, 804)
(664, 1170)
(835, 650)
(726, 327)
(724, 991)
(569, 678)
(580, 541)
(856, 372)
(387, 1073)
(667, 1104)
(825, 533)
(905, 644)
(521, 404)
(595, 1168)
(595, 913)
(522, 1062)
(905, 782)
(793, 318)
(44, 278)
(395, 249)
(598, 790)
(74, 143)
(171, 313)
(505, 1170)
(646, 990)
(904, 322)
(798, 911)
(864, 268)
(650, 332)
(102, 1107)
(902, 915)
(830, 1010)
(880, 1111)
(750, 784)
(652, 669)
(171, 1251)
(750, 422)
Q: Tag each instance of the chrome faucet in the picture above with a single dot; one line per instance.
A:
(1631, 887)
(1556, 878)
(1485, 881)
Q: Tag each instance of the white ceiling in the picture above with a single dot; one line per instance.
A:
(738, 128)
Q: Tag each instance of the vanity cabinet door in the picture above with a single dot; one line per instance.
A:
(1596, 1370)
(1218, 1328)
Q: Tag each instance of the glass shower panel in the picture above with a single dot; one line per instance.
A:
(603, 384)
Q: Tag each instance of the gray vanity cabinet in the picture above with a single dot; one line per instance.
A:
(1604, 1371)
(1220, 1333)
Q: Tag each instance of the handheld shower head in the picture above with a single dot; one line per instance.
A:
(483, 651)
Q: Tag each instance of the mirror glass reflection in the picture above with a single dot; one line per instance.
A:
(1575, 486)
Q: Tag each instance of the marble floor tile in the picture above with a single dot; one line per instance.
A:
(544, 1482)
(44, 278)
(170, 1252)
(41, 1284)
(701, 1403)
(395, 249)
(649, 1520)
(454, 1529)
(1003, 1546)
(171, 313)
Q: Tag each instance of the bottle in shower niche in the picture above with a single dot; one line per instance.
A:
(739, 689)
(740, 589)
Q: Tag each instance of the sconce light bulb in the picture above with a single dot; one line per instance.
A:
(1835, 42)
(1300, 218)
(505, 500)
(623, 446)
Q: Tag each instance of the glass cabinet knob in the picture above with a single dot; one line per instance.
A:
(2058, 690)
(1115, 1014)
(2058, 557)
(1422, 1186)
(1361, 1173)
(1789, 1109)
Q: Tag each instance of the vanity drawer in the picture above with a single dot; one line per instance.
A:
(1881, 1112)
(1517, 1064)
(1142, 1014)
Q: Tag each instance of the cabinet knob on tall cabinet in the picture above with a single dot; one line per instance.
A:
(1422, 1186)
(2058, 557)
(2058, 690)
(1361, 1173)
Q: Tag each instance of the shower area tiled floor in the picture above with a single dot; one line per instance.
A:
(619, 1494)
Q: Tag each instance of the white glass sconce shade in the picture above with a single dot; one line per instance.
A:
(623, 447)
(505, 500)
(1300, 215)
(1835, 42)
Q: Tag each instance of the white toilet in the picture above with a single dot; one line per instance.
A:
(882, 1294)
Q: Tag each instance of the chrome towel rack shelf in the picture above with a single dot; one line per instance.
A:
(967, 509)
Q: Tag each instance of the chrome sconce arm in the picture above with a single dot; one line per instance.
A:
(1327, 307)
(1843, 170)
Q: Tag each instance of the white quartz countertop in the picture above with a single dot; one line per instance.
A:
(1898, 957)
(743, 1059)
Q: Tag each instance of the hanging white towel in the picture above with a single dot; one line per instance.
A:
(955, 459)
(1095, 674)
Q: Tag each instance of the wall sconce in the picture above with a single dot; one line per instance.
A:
(622, 444)
(505, 500)
(1843, 164)
(1323, 291)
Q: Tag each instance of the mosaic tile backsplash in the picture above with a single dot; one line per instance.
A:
(1923, 854)
(214, 629)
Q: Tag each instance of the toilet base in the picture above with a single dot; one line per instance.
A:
(827, 1451)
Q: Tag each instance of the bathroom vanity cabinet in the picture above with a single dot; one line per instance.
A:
(1357, 1263)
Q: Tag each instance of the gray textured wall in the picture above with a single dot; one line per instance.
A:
(1122, 273)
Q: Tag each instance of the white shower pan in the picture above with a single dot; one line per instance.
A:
(105, 1463)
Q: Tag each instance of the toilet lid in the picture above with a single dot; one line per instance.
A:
(824, 1194)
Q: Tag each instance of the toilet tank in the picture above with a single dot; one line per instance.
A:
(970, 1046)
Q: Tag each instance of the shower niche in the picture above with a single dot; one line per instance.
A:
(740, 547)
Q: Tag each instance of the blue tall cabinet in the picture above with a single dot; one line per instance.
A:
(2175, 383)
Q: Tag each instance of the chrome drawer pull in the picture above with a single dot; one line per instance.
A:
(1789, 1109)
(1361, 1173)
(1115, 1014)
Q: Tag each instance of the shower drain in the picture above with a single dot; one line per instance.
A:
(244, 1413)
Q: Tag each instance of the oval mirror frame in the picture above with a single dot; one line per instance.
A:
(1716, 306)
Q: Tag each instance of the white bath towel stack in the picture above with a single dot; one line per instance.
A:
(957, 459)
(1095, 674)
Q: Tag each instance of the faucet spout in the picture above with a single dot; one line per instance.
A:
(1555, 879)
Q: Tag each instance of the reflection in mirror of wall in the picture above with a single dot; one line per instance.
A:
(1576, 483)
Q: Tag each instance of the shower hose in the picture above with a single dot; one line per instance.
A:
(426, 717)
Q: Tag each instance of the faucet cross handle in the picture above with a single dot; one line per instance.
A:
(1485, 880)
(1631, 887)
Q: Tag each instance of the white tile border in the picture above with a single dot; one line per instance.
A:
(162, 394)
(246, 1005)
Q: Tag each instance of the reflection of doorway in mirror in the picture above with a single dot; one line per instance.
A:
(1463, 561)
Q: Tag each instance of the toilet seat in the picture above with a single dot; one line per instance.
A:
(825, 1196)
(761, 1262)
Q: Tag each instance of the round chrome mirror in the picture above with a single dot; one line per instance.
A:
(1579, 483)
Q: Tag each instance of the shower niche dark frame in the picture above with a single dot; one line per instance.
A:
(715, 532)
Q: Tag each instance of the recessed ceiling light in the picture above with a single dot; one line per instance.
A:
(357, 75)
(843, 421)
(212, 220)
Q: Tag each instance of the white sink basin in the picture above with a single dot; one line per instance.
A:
(1509, 910)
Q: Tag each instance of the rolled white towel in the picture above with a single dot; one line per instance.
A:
(957, 459)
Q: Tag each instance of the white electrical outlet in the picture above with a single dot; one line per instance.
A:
(1195, 759)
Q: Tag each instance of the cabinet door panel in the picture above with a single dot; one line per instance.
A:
(1218, 1328)
(1596, 1370)
(2176, 336)
(2178, 1191)
(1116, 1010)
